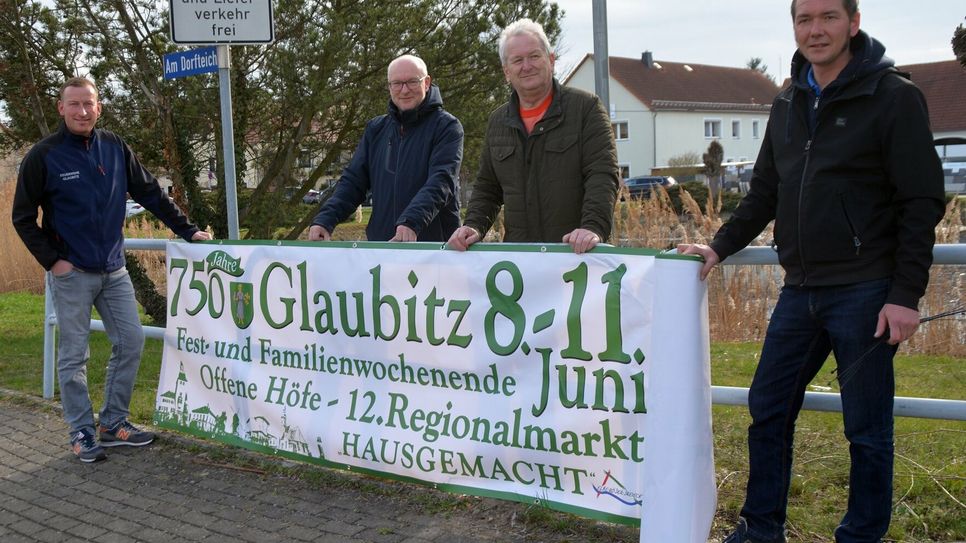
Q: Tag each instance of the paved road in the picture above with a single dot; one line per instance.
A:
(180, 489)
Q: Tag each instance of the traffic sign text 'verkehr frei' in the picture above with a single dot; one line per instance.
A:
(185, 63)
(221, 21)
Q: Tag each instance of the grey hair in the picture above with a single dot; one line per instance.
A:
(521, 27)
(420, 64)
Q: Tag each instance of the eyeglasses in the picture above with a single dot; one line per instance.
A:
(413, 84)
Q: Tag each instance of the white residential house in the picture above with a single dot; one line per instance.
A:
(661, 110)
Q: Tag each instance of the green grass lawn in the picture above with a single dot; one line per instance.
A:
(930, 481)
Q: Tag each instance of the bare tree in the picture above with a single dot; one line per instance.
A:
(959, 44)
(712, 167)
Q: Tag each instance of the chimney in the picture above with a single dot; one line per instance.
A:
(647, 59)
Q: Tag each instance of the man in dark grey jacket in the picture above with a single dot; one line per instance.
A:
(549, 158)
(849, 173)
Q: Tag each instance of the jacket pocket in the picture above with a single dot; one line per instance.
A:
(561, 144)
(508, 168)
(502, 152)
(832, 228)
(856, 241)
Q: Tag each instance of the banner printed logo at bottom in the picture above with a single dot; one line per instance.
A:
(619, 493)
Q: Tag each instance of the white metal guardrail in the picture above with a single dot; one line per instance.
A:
(928, 408)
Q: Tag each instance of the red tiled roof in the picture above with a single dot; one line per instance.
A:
(944, 85)
(679, 86)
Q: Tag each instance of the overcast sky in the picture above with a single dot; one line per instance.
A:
(728, 33)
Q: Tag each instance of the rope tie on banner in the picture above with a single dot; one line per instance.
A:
(847, 375)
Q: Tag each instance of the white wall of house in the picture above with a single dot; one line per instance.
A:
(636, 152)
(654, 137)
(684, 131)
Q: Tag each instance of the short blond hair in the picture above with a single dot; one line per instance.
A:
(78, 82)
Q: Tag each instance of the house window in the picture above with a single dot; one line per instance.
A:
(625, 170)
(620, 130)
(754, 130)
(305, 159)
(736, 130)
(712, 128)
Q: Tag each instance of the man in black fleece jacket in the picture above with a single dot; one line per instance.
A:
(849, 174)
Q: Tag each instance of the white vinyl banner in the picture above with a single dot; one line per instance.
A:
(523, 372)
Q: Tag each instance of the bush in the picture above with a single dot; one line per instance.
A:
(729, 200)
(699, 191)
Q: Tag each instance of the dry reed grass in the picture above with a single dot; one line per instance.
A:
(740, 298)
(19, 271)
(153, 262)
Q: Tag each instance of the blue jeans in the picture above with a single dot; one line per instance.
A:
(113, 296)
(806, 325)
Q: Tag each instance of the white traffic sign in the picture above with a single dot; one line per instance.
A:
(229, 22)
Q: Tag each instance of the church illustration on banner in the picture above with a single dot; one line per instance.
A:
(173, 410)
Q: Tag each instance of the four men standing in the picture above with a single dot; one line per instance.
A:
(846, 169)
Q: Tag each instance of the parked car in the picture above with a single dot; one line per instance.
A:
(312, 197)
(641, 186)
(133, 208)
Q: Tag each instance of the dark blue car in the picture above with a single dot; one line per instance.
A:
(640, 186)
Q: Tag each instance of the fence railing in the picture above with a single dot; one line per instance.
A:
(928, 408)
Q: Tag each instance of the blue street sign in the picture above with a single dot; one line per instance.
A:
(185, 63)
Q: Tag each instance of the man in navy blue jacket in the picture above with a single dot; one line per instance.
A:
(80, 176)
(408, 159)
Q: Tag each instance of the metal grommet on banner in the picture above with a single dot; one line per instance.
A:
(543, 248)
(278, 243)
(355, 245)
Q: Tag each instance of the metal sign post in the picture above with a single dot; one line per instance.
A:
(223, 24)
(228, 139)
(601, 58)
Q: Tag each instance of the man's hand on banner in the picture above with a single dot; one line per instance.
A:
(711, 258)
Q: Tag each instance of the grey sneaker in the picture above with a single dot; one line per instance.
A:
(124, 433)
(84, 446)
(740, 535)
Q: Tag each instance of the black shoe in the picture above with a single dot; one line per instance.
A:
(83, 445)
(740, 535)
(126, 434)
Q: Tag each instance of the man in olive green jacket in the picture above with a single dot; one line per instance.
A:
(549, 157)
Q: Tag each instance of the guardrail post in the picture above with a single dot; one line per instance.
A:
(50, 335)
